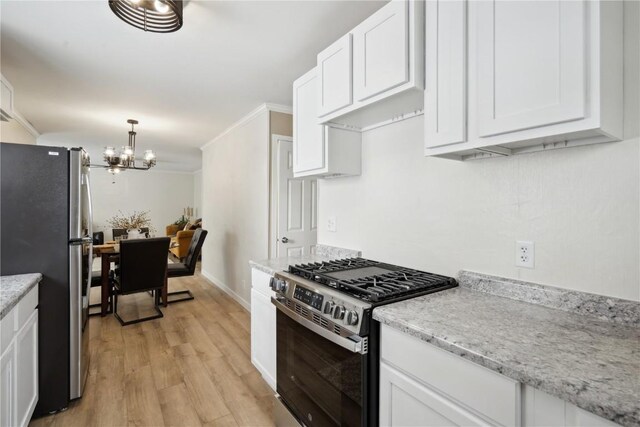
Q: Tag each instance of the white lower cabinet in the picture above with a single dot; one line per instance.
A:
(27, 370)
(19, 362)
(7, 385)
(406, 402)
(423, 385)
(452, 388)
(542, 409)
(263, 327)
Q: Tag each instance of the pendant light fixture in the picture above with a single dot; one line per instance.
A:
(156, 16)
(125, 158)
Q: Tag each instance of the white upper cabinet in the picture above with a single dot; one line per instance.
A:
(334, 69)
(308, 136)
(320, 150)
(505, 77)
(531, 64)
(445, 104)
(385, 69)
(381, 51)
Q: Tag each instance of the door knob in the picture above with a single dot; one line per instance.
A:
(284, 240)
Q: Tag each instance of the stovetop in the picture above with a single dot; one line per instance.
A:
(372, 281)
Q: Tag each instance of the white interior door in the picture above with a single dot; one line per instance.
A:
(297, 215)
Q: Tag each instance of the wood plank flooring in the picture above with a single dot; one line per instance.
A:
(190, 368)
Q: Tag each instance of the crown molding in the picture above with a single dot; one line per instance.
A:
(15, 114)
(279, 108)
(261, 109)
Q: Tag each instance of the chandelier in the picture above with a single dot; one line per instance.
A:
(157, 16)
(125, 158)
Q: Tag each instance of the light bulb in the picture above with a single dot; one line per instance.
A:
(127, 150)
(109, 151)
(160, 6)
(148, 155)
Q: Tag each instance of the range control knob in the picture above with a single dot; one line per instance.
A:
(328, 307)
(278, 285)
(352, 318)
(338, 312)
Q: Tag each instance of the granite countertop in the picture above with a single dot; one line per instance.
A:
(323, 253)
(14, 288)
(548, 342)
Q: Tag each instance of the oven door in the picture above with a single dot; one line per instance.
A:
(322, 383)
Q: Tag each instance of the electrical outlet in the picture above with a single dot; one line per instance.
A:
(331, 224)
(525, 254)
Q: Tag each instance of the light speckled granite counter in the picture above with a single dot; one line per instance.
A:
(557, 347)
(13, 288)
(323, 253)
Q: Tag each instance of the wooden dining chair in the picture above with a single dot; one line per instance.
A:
(188, 267)
(142, 268)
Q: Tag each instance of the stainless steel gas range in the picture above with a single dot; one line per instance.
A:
(327, 341)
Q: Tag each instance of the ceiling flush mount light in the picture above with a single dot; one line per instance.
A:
(125, 158)
(157, 16)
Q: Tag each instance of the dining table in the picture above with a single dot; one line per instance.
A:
(110, 252)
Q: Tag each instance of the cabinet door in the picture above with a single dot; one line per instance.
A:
(334, 69)
(7, 386)
(530, 58)
(381, 50)
(308, 136)
(446, 74)
(405, 402)
(263, 336)
(27, 370)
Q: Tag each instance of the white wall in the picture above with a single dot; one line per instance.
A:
(235, 204)
(197, 194)
(163, 194)
(581, 206)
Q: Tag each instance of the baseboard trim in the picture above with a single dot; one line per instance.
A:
(226, 289)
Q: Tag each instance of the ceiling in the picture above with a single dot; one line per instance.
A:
(79, 72)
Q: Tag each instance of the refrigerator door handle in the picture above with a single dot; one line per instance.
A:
(81, 240)
(75, 301)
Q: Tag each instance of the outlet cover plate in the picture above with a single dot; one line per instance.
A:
(331, 224)
(525, 254)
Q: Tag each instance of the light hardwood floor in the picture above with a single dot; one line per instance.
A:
(190, 368)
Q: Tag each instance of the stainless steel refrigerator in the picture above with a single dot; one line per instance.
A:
(46, 227)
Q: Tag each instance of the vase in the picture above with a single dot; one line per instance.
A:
(134, 233)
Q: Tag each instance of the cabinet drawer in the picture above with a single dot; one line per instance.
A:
(495, 396)
(260, 282)
(405, 402)
(26, 306)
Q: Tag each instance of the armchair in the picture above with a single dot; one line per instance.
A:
(180, 240)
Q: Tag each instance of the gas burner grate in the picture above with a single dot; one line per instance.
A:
(394, 284)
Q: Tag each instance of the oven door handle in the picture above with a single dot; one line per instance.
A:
(344, 342)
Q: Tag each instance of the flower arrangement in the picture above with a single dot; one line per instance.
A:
(138, 219)
(182, 221)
